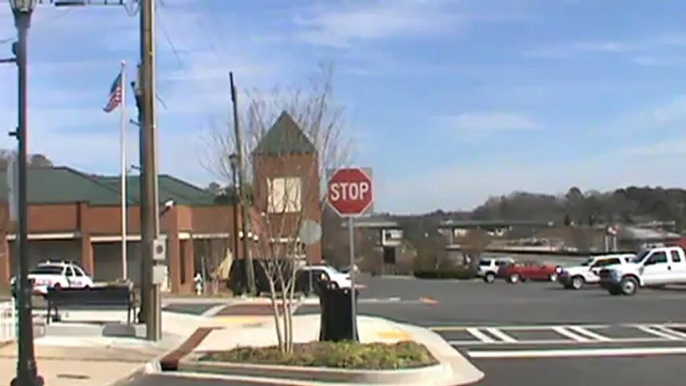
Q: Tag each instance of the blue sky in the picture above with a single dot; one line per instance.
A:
(449, 102)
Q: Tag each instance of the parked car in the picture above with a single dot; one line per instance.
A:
(588, 272)
(319, 273)
(50, 274)
(488, 267)
(309, 279)
(518, 272)
(654, 267)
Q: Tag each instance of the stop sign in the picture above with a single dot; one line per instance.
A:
(350, 192)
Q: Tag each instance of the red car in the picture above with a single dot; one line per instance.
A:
(518, 272)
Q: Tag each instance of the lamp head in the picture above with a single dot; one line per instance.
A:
(233, 159)
(23, 6)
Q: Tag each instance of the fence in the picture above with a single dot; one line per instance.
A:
(8, 324)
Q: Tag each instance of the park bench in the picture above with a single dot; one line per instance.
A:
(111, 296)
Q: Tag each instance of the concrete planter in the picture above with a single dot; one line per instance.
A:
(413, 376)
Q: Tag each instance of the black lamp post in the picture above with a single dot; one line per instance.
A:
(237, 235)
(27, 372)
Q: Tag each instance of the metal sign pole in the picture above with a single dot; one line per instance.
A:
(352, 277)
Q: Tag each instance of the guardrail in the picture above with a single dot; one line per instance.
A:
(8, 321)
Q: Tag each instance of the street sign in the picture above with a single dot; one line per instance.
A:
(350, 192)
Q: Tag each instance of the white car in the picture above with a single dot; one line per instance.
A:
(57, 275)
(655, 267)
(320, 274)
(588, 272)
(488, 267)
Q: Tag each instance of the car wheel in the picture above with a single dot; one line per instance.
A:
(577, 282)
(489, 278)
(553, 277)
(628, 286)
(614, 291)
(514, 278)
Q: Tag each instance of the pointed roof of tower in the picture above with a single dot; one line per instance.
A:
(284, 138)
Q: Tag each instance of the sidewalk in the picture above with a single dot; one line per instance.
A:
(90, 360)
(75, 362)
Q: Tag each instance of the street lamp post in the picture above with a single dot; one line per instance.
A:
(27, 371)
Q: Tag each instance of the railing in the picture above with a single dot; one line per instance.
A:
(8, 324)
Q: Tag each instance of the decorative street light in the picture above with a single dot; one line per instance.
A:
(27, 371)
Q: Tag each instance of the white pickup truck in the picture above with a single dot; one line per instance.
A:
(655, 267)
(577, 276)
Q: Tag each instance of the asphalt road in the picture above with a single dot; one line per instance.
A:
(540, 334)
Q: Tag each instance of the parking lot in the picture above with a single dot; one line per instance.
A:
(535, 331)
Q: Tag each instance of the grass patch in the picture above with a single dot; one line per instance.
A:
(341, 355)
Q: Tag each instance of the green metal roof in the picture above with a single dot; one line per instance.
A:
(284, 138)
(62, 185)
(170, 188)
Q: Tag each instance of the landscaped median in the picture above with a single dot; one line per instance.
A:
(389, 353)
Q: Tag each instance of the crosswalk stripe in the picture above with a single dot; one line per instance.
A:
(650, 330)
(501, 335)
(589, 333)
(569, 334)
(669, 331)
(586, 352)
(480, 335)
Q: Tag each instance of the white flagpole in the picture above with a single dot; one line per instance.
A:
(122, 144)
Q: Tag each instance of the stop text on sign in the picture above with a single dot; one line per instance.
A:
(348, 191)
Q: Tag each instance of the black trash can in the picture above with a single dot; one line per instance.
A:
(336, 314)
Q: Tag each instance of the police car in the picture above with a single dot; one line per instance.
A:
(62, 274)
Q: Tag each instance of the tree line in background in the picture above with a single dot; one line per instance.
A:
(629, 205)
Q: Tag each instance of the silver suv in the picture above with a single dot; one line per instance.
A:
(488, 267)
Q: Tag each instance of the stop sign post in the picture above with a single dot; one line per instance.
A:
(350, 193)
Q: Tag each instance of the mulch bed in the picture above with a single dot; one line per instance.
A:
(342, 355)
(170, 362)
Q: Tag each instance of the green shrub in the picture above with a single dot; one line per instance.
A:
(346, 355)
(462, 273)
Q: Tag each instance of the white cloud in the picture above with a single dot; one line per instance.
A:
(342, 27)
(488, 122)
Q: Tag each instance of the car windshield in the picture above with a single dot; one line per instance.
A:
(587, 262)
(47, 270)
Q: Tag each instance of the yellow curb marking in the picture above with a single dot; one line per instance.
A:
(399, 335)
(428, 300)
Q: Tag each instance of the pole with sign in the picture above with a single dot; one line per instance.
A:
(350, 194)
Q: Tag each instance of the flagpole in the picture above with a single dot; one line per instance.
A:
(122, 144)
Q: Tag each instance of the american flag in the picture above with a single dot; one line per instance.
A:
(114, 99)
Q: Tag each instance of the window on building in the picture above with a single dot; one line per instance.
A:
(284, 195)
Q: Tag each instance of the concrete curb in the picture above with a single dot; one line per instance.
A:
(376, 377)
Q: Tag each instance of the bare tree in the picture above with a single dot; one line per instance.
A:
(293, 138)
(473, 244)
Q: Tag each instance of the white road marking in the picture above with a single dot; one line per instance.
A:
(593, 335)
(651, 331)
(577, 353)
(669, 331)
(569, 334)
(393, 299)
(552, 342)
(515, 328)
(480, 335)
(501, 335)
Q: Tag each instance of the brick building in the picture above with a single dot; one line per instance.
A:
(77, 217)
(287, 185)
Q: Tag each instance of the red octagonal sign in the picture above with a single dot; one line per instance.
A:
(350, 192)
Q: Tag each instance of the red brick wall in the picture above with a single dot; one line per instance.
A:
(305, 166)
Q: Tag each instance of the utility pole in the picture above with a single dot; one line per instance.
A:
(243, 199)
(150, 310)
